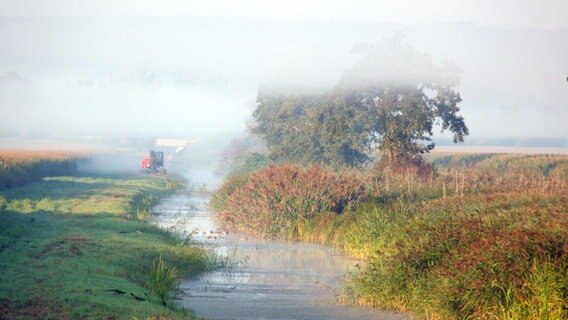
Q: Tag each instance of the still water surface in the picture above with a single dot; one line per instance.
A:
(264, 279)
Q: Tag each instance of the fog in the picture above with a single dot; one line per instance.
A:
(122, 70)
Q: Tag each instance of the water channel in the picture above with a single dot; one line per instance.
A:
(264, 279)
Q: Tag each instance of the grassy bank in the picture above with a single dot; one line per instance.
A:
(485, 238)
(476, 256)
(75, 248)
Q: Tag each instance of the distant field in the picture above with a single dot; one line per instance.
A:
(20, 156)
(52, 145)
(499, 149)
(19, 167)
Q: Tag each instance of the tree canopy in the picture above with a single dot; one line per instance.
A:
(311, 129)
(389, 101)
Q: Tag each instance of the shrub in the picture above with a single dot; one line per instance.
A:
(271, 201)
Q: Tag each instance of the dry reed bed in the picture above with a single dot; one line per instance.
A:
(484, 238)
(268, 202)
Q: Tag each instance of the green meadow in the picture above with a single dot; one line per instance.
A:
(79, 248)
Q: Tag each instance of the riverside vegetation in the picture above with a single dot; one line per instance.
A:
(481, 237)
(79, 248)
(459, 237)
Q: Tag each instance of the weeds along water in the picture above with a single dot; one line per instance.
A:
(178, 214)
(76, 247)
(483, 237)
(256, 278)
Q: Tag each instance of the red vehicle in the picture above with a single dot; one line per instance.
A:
(153, 163)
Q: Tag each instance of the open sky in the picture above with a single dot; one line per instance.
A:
(190, 69)
(549, 14)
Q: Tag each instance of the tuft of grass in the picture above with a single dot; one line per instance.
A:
(163, 280)
(143, 205)
(143, 215)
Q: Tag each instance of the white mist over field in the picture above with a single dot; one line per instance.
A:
(107, 70)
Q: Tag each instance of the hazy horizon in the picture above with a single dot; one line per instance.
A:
(112, 70)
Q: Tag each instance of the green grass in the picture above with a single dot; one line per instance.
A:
(474, 257)
(163, 280)
(65, 242)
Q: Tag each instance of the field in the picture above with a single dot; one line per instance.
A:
(19, 167)
(484, 237)
(79, 248)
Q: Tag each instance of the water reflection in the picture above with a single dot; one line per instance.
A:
(263, 279)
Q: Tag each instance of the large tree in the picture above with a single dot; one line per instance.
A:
(389, 101)
(405, 94)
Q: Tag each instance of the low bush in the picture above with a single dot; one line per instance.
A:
(271, 201)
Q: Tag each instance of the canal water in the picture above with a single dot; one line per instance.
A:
(263, 279)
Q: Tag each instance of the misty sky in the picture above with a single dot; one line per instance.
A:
(188, 69)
